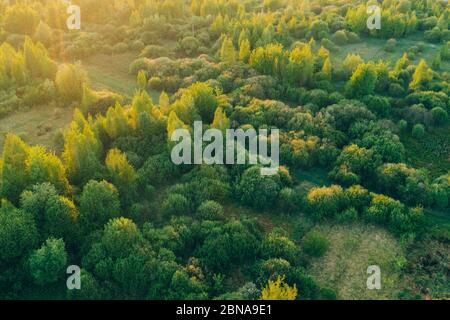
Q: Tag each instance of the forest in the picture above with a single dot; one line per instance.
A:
(91, 92)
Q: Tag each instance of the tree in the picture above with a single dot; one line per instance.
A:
(82, 151)
(244, 50)
(21, 18)
(141, 80)
(210, 210)
(60, 219)
(350, 63)
(418, 131)
(175, 204)
(69, 82)
(227, 50)
(205, 100)
(99, 202)
(48, 263)
(278, 245)
(43, 34)
(13, 163)
(279, 290)
(119, 237)
(37, 61)
(46, 167)
(123, 175)
(440, 116)
(422, 76)
(363, 81)
(18, 234)
(326, 201)
(221, 120)
(256, 190)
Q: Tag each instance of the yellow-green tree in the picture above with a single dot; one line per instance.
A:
(69, 81)
(46, 167)
(227, 50)
(13, 178)
(279, 290)
(141, 80)
(422, 76)
(244, 50)
(122, 174)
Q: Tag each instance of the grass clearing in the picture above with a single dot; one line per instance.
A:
(38, 125)
(111, 72)
(373, 49)
(352, 249)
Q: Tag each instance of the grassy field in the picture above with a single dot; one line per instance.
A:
(111, 72)
(36, 126)
(352, 249)
(373, 49)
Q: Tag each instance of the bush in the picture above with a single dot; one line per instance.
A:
(353, 37)
(210, 210)
(120, 47)
(390, 45)
(402, 125)
(348, 215)
(154, 51)
(155, 83)
(175, 204)
(440, 116)
(137, 45)
(340, 37)
(315, 244)
(418, 131)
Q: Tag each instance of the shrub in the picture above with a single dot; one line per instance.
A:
(390, 45)
(120, 47)
(315, 244)
(155, 83)
(440, 116)
(340, 37)
(210, 210)
(348, 215)
(418, 131)
(402, 125)
(154, 51)
(175, 204)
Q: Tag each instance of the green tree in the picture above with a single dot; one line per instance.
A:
(18, 234)
(13, 163)
(363, 81)
(48, 263)
(99, 202)
(123, 175)
(69, 81)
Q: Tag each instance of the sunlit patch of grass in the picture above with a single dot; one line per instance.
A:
(373, 49)
(352, 249)
(39, 125)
